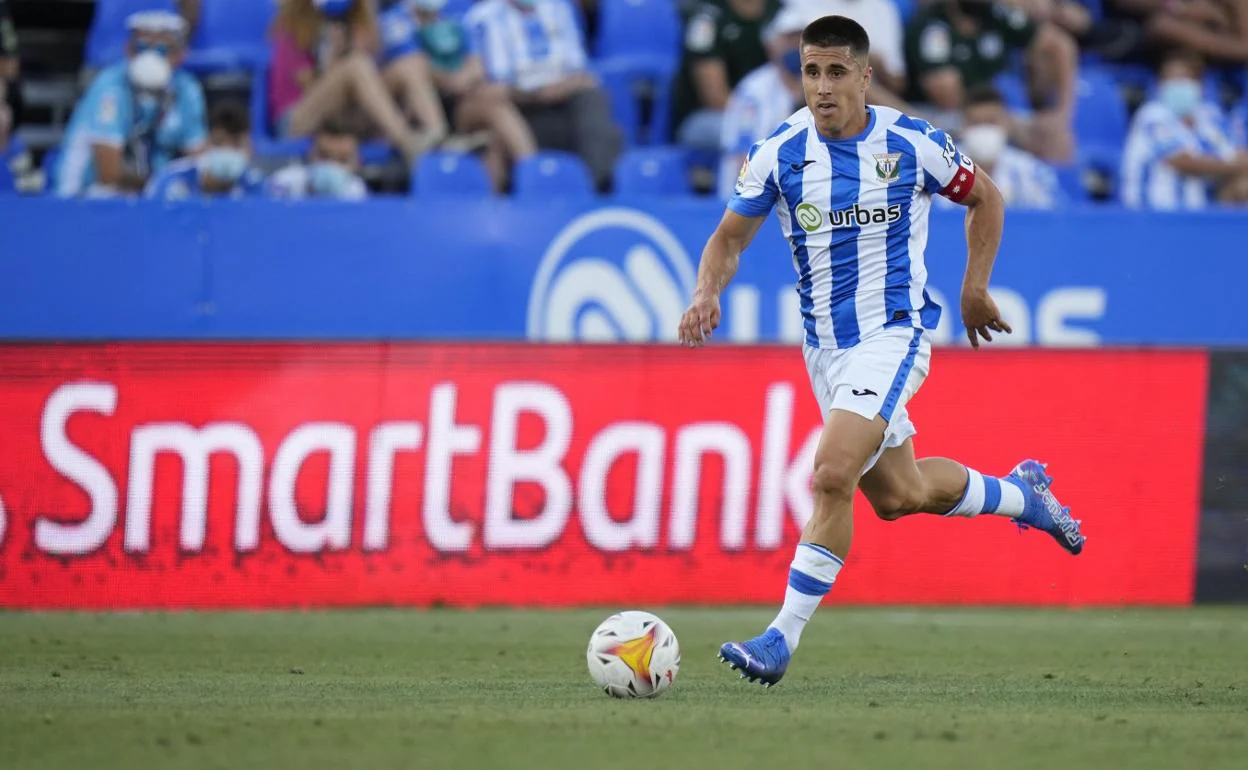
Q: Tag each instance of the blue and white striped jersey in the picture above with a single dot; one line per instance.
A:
(855, 213)
(527, 49)
(1156, 135)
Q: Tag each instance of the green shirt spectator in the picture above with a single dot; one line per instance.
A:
(976, 39)
(723, 43)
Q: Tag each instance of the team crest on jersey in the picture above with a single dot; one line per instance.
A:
(740, 186)
(888, 166)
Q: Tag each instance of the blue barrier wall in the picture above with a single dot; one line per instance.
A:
(562, 270)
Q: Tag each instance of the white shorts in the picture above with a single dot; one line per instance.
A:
(876, 377)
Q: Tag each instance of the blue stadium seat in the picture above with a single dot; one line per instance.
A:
(1100, 111)
(906, 8)
(550, 174)
(627, 80)
(450, 174)
(1013, 90)
(232, 35)
(658, 171)
(106, 40)
(638, 27)
(51, 159)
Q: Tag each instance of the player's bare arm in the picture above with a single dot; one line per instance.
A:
(985, 219)
(719, 263)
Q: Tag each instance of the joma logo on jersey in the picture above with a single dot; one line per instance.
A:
(810, 218)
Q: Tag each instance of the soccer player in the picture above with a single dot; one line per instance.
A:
(222, 170)
(854, 185)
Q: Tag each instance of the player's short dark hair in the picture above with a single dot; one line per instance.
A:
(230, 117)
(1193, 60)
(837, 32)
(984, 94)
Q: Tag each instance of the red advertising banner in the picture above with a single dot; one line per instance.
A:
(296, 475)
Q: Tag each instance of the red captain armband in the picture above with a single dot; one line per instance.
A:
(963, 180)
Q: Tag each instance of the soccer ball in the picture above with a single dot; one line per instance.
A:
(633, 655)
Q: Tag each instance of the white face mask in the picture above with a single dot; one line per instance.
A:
(984, 142)
(150, 72)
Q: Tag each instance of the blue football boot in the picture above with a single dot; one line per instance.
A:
(762, 659)
(1042, 510)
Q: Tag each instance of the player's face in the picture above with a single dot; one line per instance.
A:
(835, 84)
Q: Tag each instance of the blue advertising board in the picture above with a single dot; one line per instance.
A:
(602, 270)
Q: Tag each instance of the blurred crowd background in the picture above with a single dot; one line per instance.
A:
(1066, 102)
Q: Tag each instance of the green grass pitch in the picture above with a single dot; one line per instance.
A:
(870, 688)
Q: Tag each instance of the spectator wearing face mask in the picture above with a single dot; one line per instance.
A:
(1178, 156)
(479, 109)
(1025, 181)
(723, 43)
(220, 171)
(766, 98)
(136, 116)
(331, 171)
(955, 45)
(324, 65)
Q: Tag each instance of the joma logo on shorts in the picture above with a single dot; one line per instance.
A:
(862, 216)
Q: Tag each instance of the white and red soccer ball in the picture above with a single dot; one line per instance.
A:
(633, 654)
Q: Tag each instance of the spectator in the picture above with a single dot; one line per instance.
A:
(221, 170)
(323, 65)
(407, 73)
(332, 170)
(136, 116)
(1025, 181)
(955, 45)
(1177, 154)
(765, 98)
(1214, 29)
(535, 47)
(476, 106)
(882, 21)
(723, 44)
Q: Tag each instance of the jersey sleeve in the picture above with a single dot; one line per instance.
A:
(755, 193)
(1014, 25)
(108, 114)
(946, 171)
(929, 47)
(702, 35)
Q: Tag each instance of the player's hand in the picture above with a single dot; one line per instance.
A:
(981, 316)
(699, 320)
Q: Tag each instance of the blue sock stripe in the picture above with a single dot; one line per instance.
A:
(992, 494)
(803, 583)
(824, 552)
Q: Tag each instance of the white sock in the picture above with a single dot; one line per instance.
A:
(989, 494)
(811, 575)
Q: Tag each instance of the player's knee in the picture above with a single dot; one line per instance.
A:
(895, 504)
(833, 480)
